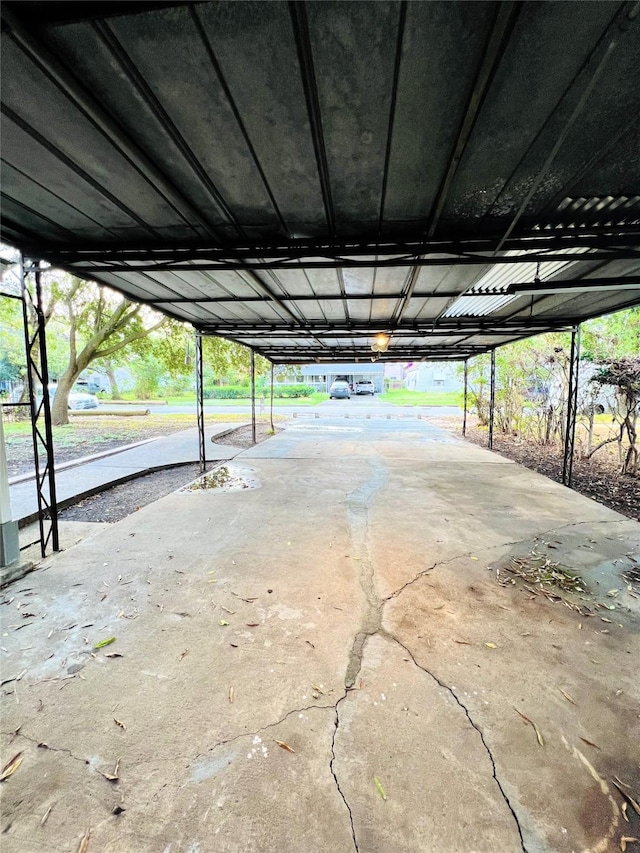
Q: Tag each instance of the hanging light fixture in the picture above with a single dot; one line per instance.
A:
(381, 342)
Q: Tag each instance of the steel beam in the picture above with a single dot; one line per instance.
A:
(271, 406)
(466, 391)
(492, 398)
(470, 259)
(202, 451)
(572, 407)
(253, 396)
(34, 326)
(613, 237)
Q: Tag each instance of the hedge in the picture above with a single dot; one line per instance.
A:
(242, 392)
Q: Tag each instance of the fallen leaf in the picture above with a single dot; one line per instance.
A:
(317, 689)
(463, 643)
(106, 642)
(231, 694)
(531, 723)
(120, 724)
(626, 839)
(118, 810)
(491, 645)
(223, 622)
(378, 785)
(628, 797)
(589, 743)
(284, 745)
(45, 816)
(623, 809)
(252, 624)
(113, 655)
(84, 843)
(11, 766)
(112, 777)
(226, 609)
(566, 696)
(184, 654)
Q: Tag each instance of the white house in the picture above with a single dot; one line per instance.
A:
(433, 376)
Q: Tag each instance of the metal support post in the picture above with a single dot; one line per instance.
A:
(271, 407)
(40, 404)
(492, 398)
(466, 391)
(572, 407)
(253, 396)
(202, 451)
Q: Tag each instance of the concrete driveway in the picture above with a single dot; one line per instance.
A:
(333, 657)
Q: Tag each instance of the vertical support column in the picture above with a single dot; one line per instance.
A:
(273, 429)
(572, 407)
(492, 398)
(466, 391)
(9, 541)
(40, 405)
(253, 396)
(202, 451)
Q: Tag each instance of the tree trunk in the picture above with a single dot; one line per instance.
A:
(113, 382)
(60, 405)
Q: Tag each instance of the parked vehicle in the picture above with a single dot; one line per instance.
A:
(366, 386)
(77, 399)
(340, 390)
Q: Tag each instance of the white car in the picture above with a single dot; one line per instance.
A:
(78, 400)
(365, 387)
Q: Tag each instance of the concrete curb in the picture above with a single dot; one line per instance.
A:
(127, 478)
(73, 463)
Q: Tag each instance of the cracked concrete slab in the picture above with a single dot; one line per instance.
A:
(363, 564)
(401, 727)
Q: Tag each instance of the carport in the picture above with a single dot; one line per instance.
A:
(303, 178)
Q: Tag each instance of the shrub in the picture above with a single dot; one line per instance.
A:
(241, 392)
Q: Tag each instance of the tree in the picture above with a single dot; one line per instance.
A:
(624, 376)
(98, 323)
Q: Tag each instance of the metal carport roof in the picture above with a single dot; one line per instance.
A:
(300, 176)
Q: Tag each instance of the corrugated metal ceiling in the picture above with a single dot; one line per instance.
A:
(299, 176)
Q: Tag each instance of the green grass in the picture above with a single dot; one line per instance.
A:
(402, 397)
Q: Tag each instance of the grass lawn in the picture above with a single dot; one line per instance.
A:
(86, 435)
(402, 397)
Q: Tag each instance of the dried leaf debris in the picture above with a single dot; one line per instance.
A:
(11, 766)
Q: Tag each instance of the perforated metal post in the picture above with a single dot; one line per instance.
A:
(466, 389)
(202, 451)
(492, 398)
(572, 407)
(253, 396)
(40, 405)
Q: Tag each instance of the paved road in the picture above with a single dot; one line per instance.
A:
(356, 405)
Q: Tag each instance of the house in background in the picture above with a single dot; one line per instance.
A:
(322, 375)
(433, 376)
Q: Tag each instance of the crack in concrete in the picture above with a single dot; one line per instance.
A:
(429, 569)
(357, 504)
(45, 746)
(371, 621)
(461, 704)
(254, 733)
(333, 772)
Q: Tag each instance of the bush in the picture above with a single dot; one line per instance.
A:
(241, 392)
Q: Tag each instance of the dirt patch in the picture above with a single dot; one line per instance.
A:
(598, 478)
(120, 501)
(243, 437)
